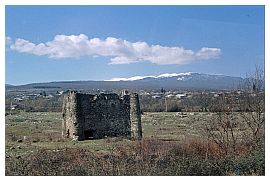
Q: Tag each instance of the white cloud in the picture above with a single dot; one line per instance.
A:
(120, 51)
(208, 53)
(8, 40)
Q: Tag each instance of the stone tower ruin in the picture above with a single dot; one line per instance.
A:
(88, 116)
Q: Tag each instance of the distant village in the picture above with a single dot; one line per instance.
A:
(151, 100)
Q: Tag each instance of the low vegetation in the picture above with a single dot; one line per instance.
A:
(148, 157)
(173, 144)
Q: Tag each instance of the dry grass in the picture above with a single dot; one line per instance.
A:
(146, 157)
(180, 148)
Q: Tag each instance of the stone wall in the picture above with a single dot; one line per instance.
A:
(87, 116)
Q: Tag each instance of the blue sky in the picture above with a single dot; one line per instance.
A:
(53, 43)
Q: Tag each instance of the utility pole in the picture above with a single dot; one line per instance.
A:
(163, 92)
(10, 108)
(166, 104)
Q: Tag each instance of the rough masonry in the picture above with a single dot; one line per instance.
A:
(88, 116)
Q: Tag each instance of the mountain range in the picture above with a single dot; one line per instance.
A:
(172, 81)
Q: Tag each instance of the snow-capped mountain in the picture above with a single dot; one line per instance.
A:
(186, 80)
(173, 81)
(166, 75)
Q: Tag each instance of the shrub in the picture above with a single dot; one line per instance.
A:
(146, 157)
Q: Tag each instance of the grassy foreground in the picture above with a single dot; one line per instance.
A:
(173, 144)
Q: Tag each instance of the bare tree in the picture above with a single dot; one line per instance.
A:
(222, 128)
(204, 101)
(227, 129)
(253, 104)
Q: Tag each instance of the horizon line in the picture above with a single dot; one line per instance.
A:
(114, 79)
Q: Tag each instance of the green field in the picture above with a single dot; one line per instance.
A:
(43, 130)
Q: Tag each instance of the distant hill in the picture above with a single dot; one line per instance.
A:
(167, 81)
(188, 80)
(8, 85)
